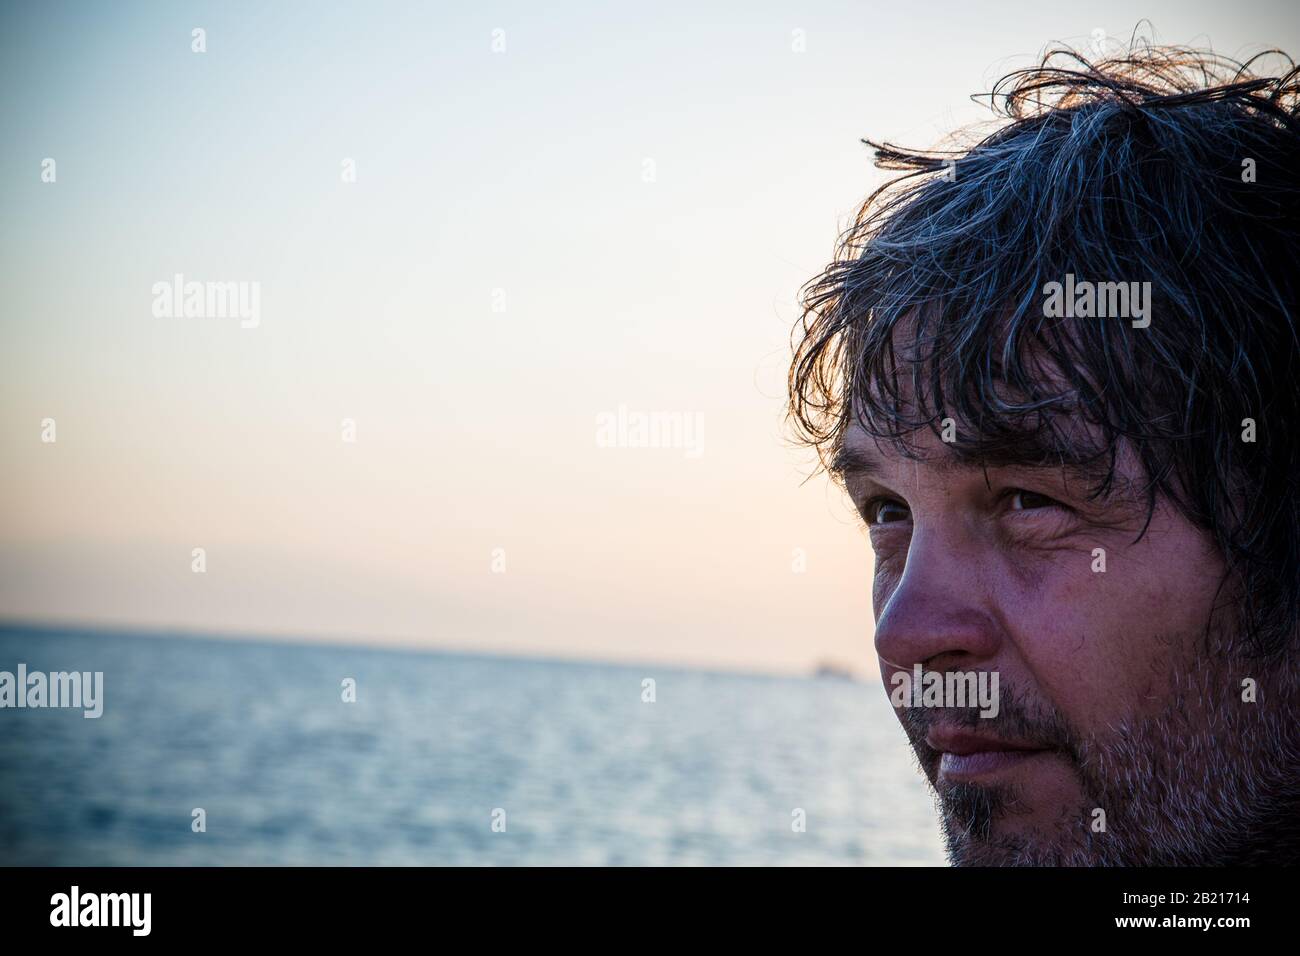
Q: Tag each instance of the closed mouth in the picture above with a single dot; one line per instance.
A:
(964, 755)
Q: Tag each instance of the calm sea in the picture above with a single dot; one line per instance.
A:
(437, 746)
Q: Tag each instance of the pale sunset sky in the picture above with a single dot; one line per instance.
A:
(612, 208)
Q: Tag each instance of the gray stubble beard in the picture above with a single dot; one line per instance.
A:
(1209, 780)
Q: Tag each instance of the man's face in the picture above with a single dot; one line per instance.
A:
(1121, 736)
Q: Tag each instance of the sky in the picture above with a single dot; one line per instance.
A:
(480, 240)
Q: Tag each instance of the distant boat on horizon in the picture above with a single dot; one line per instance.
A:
(834, 670)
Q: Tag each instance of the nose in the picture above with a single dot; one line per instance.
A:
(941, 614)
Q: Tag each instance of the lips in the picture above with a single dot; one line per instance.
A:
(965, 755)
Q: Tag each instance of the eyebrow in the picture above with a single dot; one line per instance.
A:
(855, 461)
(851, 461)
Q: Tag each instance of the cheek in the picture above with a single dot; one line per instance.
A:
(1103, 645)
(1082, 650)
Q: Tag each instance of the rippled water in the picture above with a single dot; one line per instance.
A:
(412, 772)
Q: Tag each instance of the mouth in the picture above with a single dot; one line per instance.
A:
(965, 756)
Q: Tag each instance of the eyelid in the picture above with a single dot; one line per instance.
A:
(1053, 506)
(1052, 519)
(1010, 492)
(874, 500)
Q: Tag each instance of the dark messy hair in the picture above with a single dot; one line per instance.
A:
(1166, 165)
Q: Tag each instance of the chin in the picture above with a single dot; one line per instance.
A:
(1021, 844)
(1038, 821)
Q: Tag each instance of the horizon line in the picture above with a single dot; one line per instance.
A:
(188, 632)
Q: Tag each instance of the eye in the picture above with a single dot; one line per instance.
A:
(883, 511)
(1022, 500)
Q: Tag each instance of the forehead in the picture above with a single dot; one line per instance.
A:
(861, 453)
(928, 393)
(929, 356)
(1115, 474)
